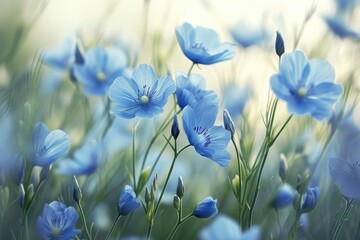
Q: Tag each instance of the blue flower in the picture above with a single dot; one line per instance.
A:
(85, 161)
(225, 228)
(61, 57)
(306, 86)
(100, 69)
(143, 95)
(202, 45)
(48, 146)
(208, 140)
(309, 199)
(234, 99)
(127, 201)
(285, 196)
(345, 170)
(206, 208)
(339, 27)
(247, 36)
(345, 5)
(57, 222)
(191, 90)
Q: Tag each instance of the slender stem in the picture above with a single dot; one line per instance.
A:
(134, 153)
(281, 129)
(340, 221)
(239, 172)
(113, 226)
(82, 215)
(190, 69)
(178, 225)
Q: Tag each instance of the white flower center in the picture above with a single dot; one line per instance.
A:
(144, 99)
(101, 76)
(302, 92)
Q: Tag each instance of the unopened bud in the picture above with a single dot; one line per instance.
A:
(228, 122)
(180, 189)
(175, 128)
(282, 167)
(22, 196)
(77, 195)
(279, 44)
(235, 182)
(176, 202)
(144, 177)
(147, 196)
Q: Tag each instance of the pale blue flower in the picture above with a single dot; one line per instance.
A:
(285, 196)
(247, 36)
(208, 140)
(48, 146)
(191, 90)
(57, 222)
(206, 208)
(340, 28)
(225, 228)
(85, 160)
(306, 86)
(127, 201)
(142, 95)
(62, 56)
(345, 5)
(202, 45)
(345, 169)
(100, 69)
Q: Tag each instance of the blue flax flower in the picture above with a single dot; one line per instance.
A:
(247, 36)
(306, 86)
(202, 45)
(225, 228)
(340, 28)
(48, 146)
(85, 161)
(206, 208)
(57, 222)
(191, 90)
(345, 170)
(142, 95)
(208, 140)
(309, 199)
(127, 201)
(100, 69)
(285, 196)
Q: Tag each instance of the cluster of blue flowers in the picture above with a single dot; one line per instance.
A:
(150, 104)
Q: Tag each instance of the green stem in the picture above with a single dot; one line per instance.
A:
(134, 153)
(190, 69)
(240, 175)
(82, 215)
(340, 221)
(181, 221)
(113, 226)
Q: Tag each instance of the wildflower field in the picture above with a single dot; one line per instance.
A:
(163, 119)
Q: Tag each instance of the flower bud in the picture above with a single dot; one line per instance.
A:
(235, 183)
(228, 122)
(284, 197)
(175, 128)
(77, 195)
(206, 208)
(144, 177)
(154, 184)
(309, 199)
(279, 44)
(176, 202)
(282, 167)
(147, 196)
(22, 196)
(180, 189)
(127, 201)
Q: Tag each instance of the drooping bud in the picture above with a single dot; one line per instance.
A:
(228, 122)
(180, 189)
(282, 167)
(279, 44)
(127, 201)
(77, 195)
(175, 128)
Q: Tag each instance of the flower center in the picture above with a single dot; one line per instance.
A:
(302, 92)
(101, 76)
(144, 99)
(55, 232)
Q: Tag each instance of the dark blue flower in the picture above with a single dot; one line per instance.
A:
(340, 28)
(202, 45)
(309, 199)
(191, 90)
(48, 146)
(85, 160)
(57, 222)
(306, 86)
(246, 35)
(225, 228)
(127, 201)
(208, 140)
(142, 95)
(285, 196)
(206, 208)
(345, 169)
(100, 69)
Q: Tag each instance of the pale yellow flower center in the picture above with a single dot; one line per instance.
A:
(144, 99)
(302, 92)
(101, 76)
